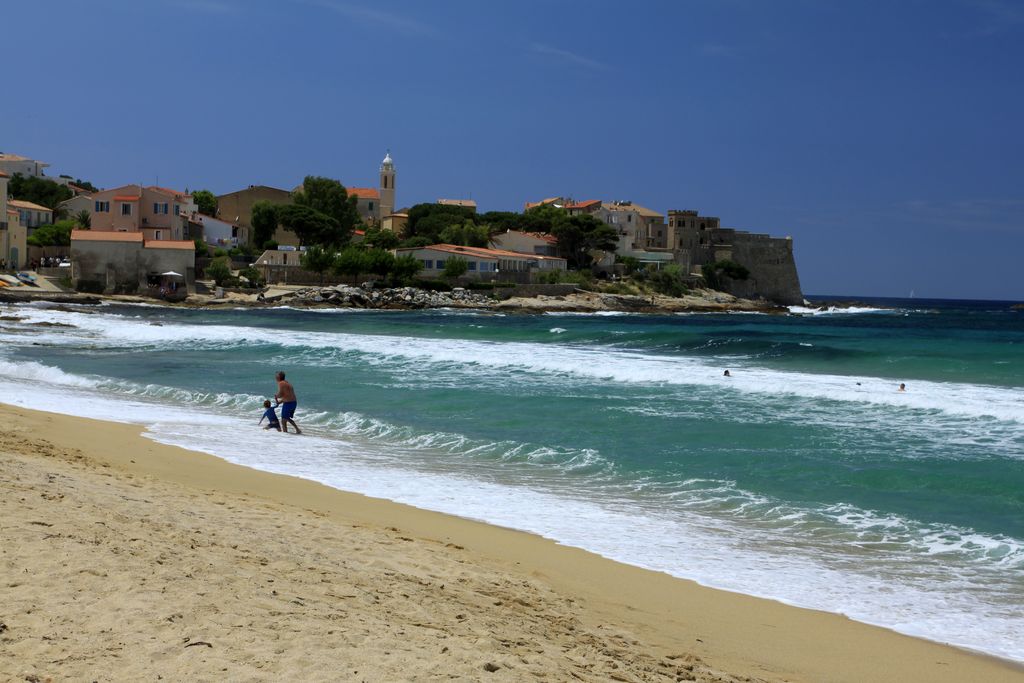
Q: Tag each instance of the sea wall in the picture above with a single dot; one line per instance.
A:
(773, 274)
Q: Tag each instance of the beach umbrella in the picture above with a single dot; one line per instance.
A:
(171, 273)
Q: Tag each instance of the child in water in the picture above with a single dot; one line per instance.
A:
(270, 414)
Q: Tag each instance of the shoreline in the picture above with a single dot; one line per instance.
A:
(718, 631)
(399, 299)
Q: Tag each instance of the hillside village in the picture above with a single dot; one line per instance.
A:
(159, 241)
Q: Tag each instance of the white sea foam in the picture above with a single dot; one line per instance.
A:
(928, 597)
(590, 363)
(841, 310)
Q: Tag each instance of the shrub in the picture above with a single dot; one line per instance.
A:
(201, 248)
(668, 281)
(270, 245)
(254, 276)
(218, 252)
(713, 272)
(219, 271)
(66, 282)
(556, 277)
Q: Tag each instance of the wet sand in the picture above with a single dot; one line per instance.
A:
(122, 559)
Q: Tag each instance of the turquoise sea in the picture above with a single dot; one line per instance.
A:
(805, 477)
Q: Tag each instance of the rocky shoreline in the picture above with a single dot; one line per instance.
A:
(411, 298)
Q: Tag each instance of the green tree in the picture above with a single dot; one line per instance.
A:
(56, 235)
(201, 248)
(379, 262)
(714, 272)
(206, 201)
(317, 260)
(380, 239)
(416, 242)
(219, 270)
(351, 262)
(310, 226)
(500, 221)
(466, 234)
(579, 235)
(668, 281)
(405, 268)
(83, 219)
(330, 197)
(429, 220)
(455, 267)
(542, 218)
(264, 222)
(37, 190)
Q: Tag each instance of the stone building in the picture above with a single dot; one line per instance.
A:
(127, 261)
(13, 235)
(700, 240)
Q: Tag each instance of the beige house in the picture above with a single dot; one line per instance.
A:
(367, 204)
(236, 208)
(15, 163)
(395, 222)
(526, 242)
(13, 235)
(488, 263)
(31, 215)
(126, 260)
(158, 213)
(78, 203)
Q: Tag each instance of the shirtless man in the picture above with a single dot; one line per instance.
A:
(286, 398)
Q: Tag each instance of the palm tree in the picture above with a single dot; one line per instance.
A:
(84, 219)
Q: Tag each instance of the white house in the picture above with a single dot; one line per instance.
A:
(479, 261)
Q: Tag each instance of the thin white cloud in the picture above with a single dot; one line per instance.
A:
(399, 23)
(568, 57)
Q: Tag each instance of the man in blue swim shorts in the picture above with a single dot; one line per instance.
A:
(286, 399)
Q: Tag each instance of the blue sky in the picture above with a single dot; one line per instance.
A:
(885, 137)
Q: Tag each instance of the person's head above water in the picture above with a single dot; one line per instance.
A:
(266, 404)
(279, 375)
(903, 387)
(726, 374)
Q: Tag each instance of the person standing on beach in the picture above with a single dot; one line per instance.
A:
(286, 397)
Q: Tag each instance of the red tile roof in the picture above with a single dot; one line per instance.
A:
(4, 175)
(167, 190)
(480, 252)
(541, 236)
(107, 236)
(583, 205)
(363, 192)
(126, 198)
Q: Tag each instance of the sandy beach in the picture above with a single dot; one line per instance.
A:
(123, 559)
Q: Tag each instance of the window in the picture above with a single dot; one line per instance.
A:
(371, 206)
(429, 264)
(156, 235)
(126, 209)
(472, 265)
(177, 209)
(440, 264)
(102, 207)
(160, 208)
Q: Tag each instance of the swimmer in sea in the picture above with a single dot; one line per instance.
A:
(726, 374)
(903, 387)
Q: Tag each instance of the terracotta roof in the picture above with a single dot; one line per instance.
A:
(21, 204)
(359, 232)
(583, 205)
(480, 252)
(457, 202)
(363, 192)
(4, 175)
(15, 157)
(541, 236)
(106, 236)
(170, 244)
(12, 212)
(642, 210)
(548, 200)
(167, 190)
(126, 198)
